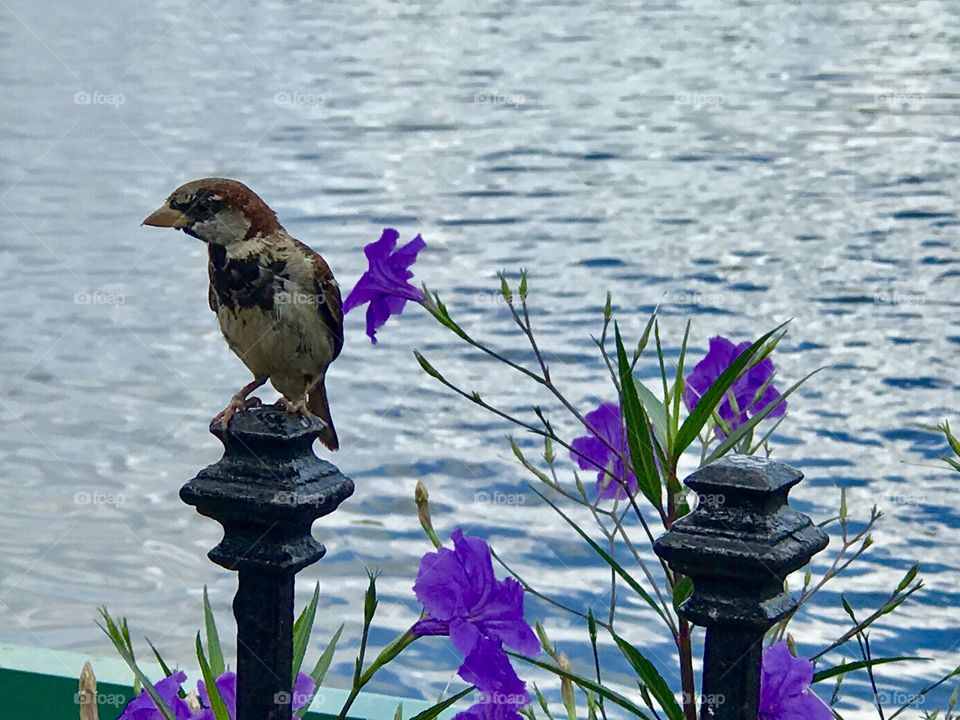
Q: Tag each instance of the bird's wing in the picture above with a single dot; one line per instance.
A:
(329, 302)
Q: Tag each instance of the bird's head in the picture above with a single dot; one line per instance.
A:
(216, 210)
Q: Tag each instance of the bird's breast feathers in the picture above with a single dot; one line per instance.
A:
(277, 312)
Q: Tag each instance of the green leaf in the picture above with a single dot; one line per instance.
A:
(505, 287)
(427, 367)
(617, 568)
(607, 694)
(301, 631)
(209, 679)
(398, 715)
(908, 578)
(217, 664)
(678, 381)
(116, 635)
(319, 671)
(167, 672)
(433, 712)
(681, 591)
(702, 413)
(859, 665)
(651, 678)
(655, 411)
(638, 430)
(734, 437)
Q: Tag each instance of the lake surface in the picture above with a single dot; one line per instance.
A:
(740, 164)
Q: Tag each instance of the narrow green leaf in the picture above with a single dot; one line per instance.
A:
(734, 437)
(543, 702)
(433, 712)
(217, 664)
(209, 679)
(681, 591)
(638, 430)
(656, 411)
(398, 715)
(861, 664)
(909, 577)
(651, 678)
(319, 671)
(113, 631)
(617, 568)
(607, 694)
(427, 367)
(702, 413)
(301, 631)
(678, 383)
(167, 672)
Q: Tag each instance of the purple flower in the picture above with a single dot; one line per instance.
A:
(142, 707)
(462, 598)
(384, 285)
(785, 688)
(607, 424)
(745, 390)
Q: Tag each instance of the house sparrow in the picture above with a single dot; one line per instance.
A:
(276, 300)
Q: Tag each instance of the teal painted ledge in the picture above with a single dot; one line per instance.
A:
(42, 685)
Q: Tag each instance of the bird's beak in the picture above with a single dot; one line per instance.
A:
(166, 217)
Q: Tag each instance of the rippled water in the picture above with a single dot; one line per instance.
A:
(738, 163)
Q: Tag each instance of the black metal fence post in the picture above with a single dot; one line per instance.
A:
(266, 491)
(737, 547)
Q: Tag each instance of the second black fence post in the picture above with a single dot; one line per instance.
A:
(266, 491)
(737, 547)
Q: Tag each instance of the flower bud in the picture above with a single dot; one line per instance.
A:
(422, 498)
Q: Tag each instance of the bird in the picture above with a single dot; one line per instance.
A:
(276, 299)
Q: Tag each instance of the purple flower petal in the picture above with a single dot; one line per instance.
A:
(485, 664)
(722, 352)
(462, 598)
(785, 688)
(385, 284)
(142, 707)
(303, 690)
(590, 451)
(227, 687)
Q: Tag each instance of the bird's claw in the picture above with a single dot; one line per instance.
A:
(297, 408)
(237, 404)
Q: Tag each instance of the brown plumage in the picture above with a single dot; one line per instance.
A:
(276, 300)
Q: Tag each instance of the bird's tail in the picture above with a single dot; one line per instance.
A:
(317, 402)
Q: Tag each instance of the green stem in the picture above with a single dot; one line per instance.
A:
(390, 652)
